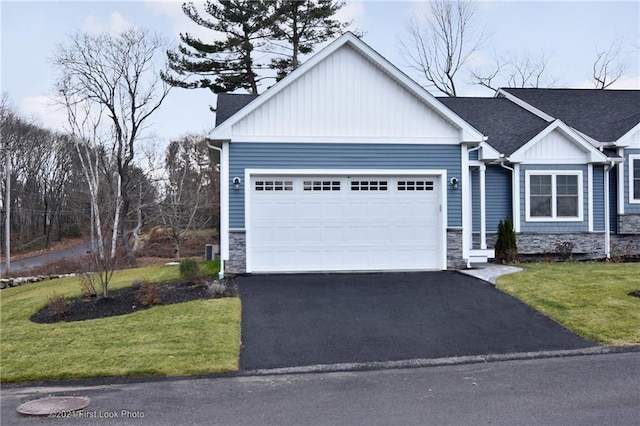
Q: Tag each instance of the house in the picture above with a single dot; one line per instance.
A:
(349, 165)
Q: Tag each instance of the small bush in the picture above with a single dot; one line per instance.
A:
(86, 286)
(148, 294)
(506, 246)
(565, 250)
(58, 306)
(189, 268)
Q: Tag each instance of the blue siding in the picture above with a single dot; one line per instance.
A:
(498, 196)
(628, 207)
(553, 227)
(613, 199)
(598, 198)
(475, 199)
(341, 156)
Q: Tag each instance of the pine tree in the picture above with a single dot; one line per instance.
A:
(506, 246)
(224, 65)
(300, 25)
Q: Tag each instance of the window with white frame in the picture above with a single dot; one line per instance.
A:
(554, 196)
(634, 178)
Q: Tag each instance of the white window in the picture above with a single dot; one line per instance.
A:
(321, 185)
(415, 185)
(274, 185)
(368, 185)
(634, 178)
(553, 196)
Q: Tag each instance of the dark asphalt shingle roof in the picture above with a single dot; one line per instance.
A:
(507, 125)
(605, 115)
(229, 104)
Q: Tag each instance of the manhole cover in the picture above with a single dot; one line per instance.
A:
(53, 405)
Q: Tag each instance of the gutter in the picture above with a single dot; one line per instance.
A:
(219, 149)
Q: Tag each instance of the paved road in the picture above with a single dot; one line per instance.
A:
(585, 390)
(32, 262)
(296, 320)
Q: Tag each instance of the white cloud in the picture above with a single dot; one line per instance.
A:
(180, 22)
(627, 82)
(351, 11)
(116, 23)
(44, 110)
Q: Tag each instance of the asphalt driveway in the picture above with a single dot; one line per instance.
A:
(298, 320)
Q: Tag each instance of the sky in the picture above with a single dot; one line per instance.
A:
(568, 33)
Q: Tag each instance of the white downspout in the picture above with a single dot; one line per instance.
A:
(221, 272)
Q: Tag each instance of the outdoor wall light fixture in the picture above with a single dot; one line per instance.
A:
(454, 182)
(236, 182)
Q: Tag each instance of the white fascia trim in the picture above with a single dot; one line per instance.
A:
(468, 132)
(554, 173)
(620, 193)
(224, 201)
(589, 139)
(590, 196)
(523, 104)
(347, 139)
(632, 158)
(441, 173)
(624, 140)
(595, 156)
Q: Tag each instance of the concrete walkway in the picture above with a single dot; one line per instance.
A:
(490, 272)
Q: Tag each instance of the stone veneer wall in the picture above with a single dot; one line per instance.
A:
(237, 263)
(587, 245)
(454, 249)
(629, 224)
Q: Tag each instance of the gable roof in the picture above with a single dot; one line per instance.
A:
(230, 103)
(507, 125)
(604, 115)
(224, 130)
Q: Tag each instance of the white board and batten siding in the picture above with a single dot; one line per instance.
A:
(344, 223)
(555, 147)
(345, 98)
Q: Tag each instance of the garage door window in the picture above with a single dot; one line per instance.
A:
(415, 185)
(274, 185)
(369, 185)
(321, 185)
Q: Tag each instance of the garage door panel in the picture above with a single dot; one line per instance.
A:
(330, 226)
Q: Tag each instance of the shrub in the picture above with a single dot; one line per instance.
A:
(58, 305)
(189, 268)
(148, 294)
(506, 246)
(86, 286)
(565, 250)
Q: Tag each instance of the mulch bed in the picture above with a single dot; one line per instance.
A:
(126, 300)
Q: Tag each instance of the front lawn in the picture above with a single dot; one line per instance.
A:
(183, 339)
(589, 298)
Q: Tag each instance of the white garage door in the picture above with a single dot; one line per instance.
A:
(341, 223)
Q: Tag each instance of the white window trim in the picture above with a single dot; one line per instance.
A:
(632, 157)
(553, 174)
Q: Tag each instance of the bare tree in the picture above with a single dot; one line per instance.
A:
(118, 78)
(520, 70)
(184, 200)
(609, 66)
(440, 42)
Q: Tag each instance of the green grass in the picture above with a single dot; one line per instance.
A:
(589, 298)
(182, 339)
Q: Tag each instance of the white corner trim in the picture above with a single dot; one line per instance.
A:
(590, 196)
(515, 196)
(632, 177)
(467, 231)
(553, 174)
(620, 192)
